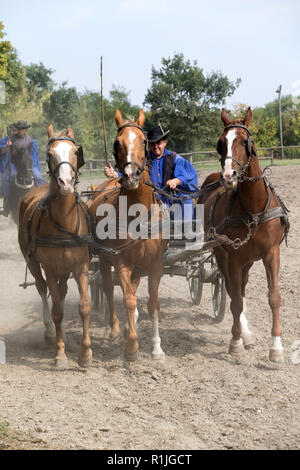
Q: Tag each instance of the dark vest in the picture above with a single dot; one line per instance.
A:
(168, 167)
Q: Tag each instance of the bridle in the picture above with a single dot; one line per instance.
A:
(250, 152)
(139, 167)
(80, 159)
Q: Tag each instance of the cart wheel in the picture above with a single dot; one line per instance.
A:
(196, 287)
(218, 292)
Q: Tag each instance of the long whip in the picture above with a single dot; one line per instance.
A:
(102, 114)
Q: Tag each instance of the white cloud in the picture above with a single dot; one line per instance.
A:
(143, 9)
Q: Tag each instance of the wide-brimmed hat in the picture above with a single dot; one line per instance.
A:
(21, 125)
(157, 133)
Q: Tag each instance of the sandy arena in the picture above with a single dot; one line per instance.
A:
(199, 397)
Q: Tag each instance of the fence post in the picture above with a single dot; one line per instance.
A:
(272, 157)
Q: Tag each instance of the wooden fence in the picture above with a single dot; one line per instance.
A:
(197, 158)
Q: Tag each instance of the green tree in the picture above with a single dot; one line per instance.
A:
(185, 100)
(38, 79)
(59, 108)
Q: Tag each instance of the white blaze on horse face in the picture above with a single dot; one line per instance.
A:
(227, 173)
(65, 174)
(128, 169)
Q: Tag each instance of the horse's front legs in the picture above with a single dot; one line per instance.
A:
(57, 316)
(272, 264)
(235, 281)
(132, 346)
(85, 357)
(153, 310)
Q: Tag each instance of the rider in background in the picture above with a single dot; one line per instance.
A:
(18, 131)
(168, 170)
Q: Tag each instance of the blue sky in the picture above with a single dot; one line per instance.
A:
(257, 41)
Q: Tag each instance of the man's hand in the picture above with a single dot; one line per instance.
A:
(4, 149)
(110, 172)
(173, 183)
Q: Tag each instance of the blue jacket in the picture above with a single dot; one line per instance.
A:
(182, 170)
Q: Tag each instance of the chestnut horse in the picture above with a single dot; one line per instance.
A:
(130, 258)
(53, 235)
(247, 217)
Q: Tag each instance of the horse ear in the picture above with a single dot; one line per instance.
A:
(248, 117)
(141, 118)
(80, 158)
(70, 133)
(118, 118)
(50, 131)
(225, 117)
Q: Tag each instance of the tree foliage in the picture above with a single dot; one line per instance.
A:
(183, 99)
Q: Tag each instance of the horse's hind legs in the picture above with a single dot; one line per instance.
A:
(272, 263)
(108, 287)
(41, 286)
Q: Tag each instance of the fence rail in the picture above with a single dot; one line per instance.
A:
(197, 158)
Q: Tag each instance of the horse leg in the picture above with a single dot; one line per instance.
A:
(272, 264)
(236, 306)
(85, 357)
(135, 283)
(57, 316)
(41, 286)
(246, 334)
(132, 346)
(108, 287)
(153, 310)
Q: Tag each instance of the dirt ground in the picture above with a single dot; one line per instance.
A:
(199, 397)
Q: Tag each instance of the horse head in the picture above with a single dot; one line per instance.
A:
(130, 149)
(64, 159)
(20, 155)
(236, 148)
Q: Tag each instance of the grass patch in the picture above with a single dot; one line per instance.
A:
(4, 428)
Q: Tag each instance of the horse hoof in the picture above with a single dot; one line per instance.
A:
(236, 348)
(131, 357)
(248, 341)
(276, 355)
(84, 363)
(158, 356)
(61, 363)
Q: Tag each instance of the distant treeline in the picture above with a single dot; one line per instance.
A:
(182, 98)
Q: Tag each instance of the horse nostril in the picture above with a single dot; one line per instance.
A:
(234, 174)
(61, 181)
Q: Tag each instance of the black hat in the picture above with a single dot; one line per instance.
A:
(21, 125)
(157, 133)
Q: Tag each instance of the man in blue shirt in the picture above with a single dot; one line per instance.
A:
(8, 169)
(168, 170)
